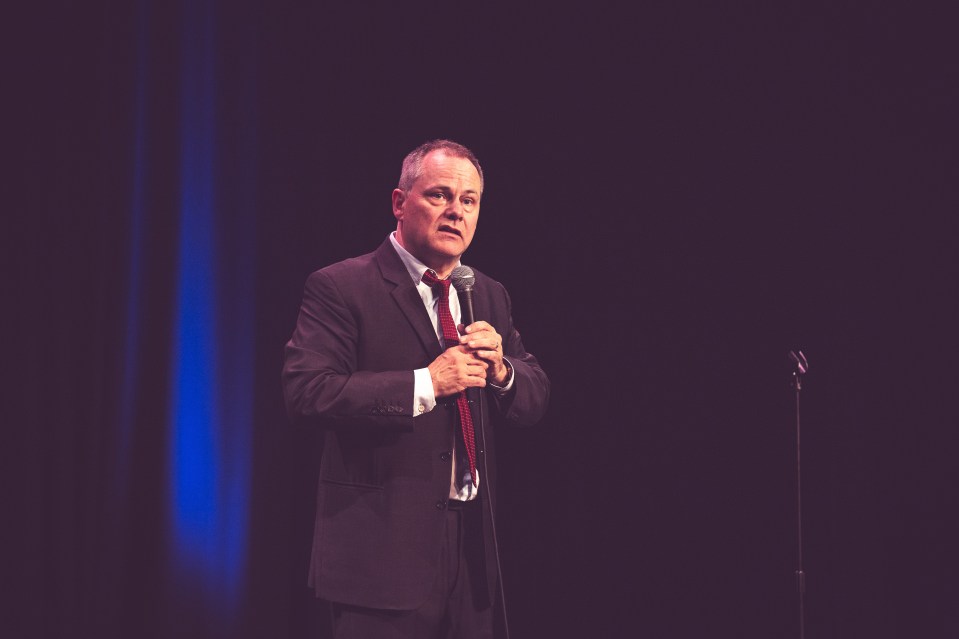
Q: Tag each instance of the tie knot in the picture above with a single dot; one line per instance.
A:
(430, 278)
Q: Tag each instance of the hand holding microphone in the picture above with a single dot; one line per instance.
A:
(480, 337)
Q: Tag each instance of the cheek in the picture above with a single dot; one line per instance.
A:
(423, 219)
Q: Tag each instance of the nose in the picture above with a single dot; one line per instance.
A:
(455, 210)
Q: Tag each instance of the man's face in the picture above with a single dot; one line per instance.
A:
(436, 218)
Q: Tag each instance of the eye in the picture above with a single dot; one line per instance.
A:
(437, 195)
(468, 201)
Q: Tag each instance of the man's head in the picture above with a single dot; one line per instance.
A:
(413, 162)
(437, 202)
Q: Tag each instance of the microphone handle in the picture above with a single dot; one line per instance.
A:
(466, 306)
(466, 315)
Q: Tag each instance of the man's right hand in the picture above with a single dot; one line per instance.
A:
(456, 370)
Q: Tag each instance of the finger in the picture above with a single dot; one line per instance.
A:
(489, 339)
(479, 326)
(475, 357)
(486, 346)
(492, 358)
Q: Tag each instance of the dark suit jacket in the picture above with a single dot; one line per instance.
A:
(385, 473)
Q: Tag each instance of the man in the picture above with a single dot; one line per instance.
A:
(403, 544)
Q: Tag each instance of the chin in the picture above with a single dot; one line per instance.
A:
(450, 248)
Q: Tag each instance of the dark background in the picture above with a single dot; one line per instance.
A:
(675, 198)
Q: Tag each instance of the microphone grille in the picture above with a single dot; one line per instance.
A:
(463, 278)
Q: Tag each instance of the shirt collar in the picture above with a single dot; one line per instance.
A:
(413, 265)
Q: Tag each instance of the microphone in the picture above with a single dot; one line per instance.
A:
(463, 279)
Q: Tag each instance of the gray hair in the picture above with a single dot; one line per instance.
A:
(413, 163)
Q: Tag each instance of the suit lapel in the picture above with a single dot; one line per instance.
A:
(406, 297)
(481, 308)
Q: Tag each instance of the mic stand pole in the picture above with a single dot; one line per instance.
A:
(480, 395)
(801, 366)
(463, 280)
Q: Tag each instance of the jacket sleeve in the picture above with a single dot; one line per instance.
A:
(321, 379)
(526, 402)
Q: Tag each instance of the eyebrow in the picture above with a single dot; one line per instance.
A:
(444, 187)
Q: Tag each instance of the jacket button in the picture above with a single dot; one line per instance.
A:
(445, 456)
(440, 505)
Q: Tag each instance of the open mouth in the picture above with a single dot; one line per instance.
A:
(450, 229)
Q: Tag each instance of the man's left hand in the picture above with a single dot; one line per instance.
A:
(486, 344)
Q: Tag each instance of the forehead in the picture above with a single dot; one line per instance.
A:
(441, 169)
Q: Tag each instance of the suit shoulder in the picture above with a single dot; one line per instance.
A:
(485, 282)
(340, 280)
(348, 268)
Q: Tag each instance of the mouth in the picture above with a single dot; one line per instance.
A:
(450, 230)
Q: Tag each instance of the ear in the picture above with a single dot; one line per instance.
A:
(399, 199)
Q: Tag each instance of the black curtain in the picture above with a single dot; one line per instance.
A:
(675, 198)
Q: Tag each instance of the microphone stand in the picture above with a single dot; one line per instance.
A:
(800, 368)
(481, 405)
(463, 280)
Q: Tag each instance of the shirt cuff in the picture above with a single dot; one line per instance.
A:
(423, 398)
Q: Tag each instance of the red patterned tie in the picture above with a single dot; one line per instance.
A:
(452, 338)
